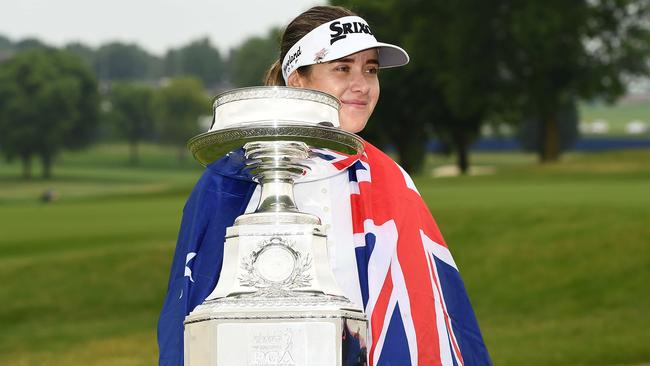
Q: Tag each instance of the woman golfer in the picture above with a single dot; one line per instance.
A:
(385, 249)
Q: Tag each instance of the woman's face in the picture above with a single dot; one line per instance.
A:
(353, 79)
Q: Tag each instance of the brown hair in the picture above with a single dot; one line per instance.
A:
(298, 28)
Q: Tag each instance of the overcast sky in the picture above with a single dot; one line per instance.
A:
(156, 25)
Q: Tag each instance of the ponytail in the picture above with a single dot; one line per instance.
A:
(273, 76)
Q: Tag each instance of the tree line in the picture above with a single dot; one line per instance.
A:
(67, 98)
(473, 62)
(118, 61)
(50, 101)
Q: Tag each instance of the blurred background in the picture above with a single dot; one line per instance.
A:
(526, 125)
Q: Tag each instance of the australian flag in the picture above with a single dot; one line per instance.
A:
(417, 307)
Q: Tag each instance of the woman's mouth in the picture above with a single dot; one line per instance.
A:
(356, 103)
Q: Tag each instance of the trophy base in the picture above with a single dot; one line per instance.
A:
(277, 218)
(274, 338)
(276, 304)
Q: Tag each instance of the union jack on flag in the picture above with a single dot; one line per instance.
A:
(417, 307)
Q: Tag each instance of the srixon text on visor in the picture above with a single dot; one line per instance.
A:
(341, 30)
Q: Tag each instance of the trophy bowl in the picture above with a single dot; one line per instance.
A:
(276, 114)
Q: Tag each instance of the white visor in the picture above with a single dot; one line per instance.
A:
(339, 38)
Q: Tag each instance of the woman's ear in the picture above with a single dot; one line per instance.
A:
(296, 80)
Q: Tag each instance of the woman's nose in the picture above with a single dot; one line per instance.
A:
(359, 83)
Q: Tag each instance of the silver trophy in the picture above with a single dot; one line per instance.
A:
(277, 301)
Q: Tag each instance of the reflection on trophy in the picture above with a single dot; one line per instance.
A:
(277, 301)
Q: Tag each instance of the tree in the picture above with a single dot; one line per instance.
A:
(178, 106)
(449, 86)
(5, 44)
(82, 51)
(532, 139)
(475, 60)
(119, 61)
(199, 59)
(48, 102)
(132, 113)
(557, 51)
(29, 44)
(250, 61)
(6, 48)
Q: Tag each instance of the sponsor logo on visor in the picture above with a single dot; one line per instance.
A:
(341, 30)
(320, 55)
(291, 59)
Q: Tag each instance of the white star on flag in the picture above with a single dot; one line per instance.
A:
(188, 270)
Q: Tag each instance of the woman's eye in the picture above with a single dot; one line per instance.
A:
(373, 70)
(342, 68)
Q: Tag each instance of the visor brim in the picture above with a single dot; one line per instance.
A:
(391, 55)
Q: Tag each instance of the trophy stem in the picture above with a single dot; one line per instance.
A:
(277, 196)
(276, 165)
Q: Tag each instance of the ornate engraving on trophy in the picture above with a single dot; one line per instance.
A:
(275, 268)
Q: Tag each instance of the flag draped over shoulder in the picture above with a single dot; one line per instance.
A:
(415, 300)
(220, 195)
(418, 310)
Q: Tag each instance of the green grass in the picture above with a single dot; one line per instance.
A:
(555, 258)
(102, 171)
